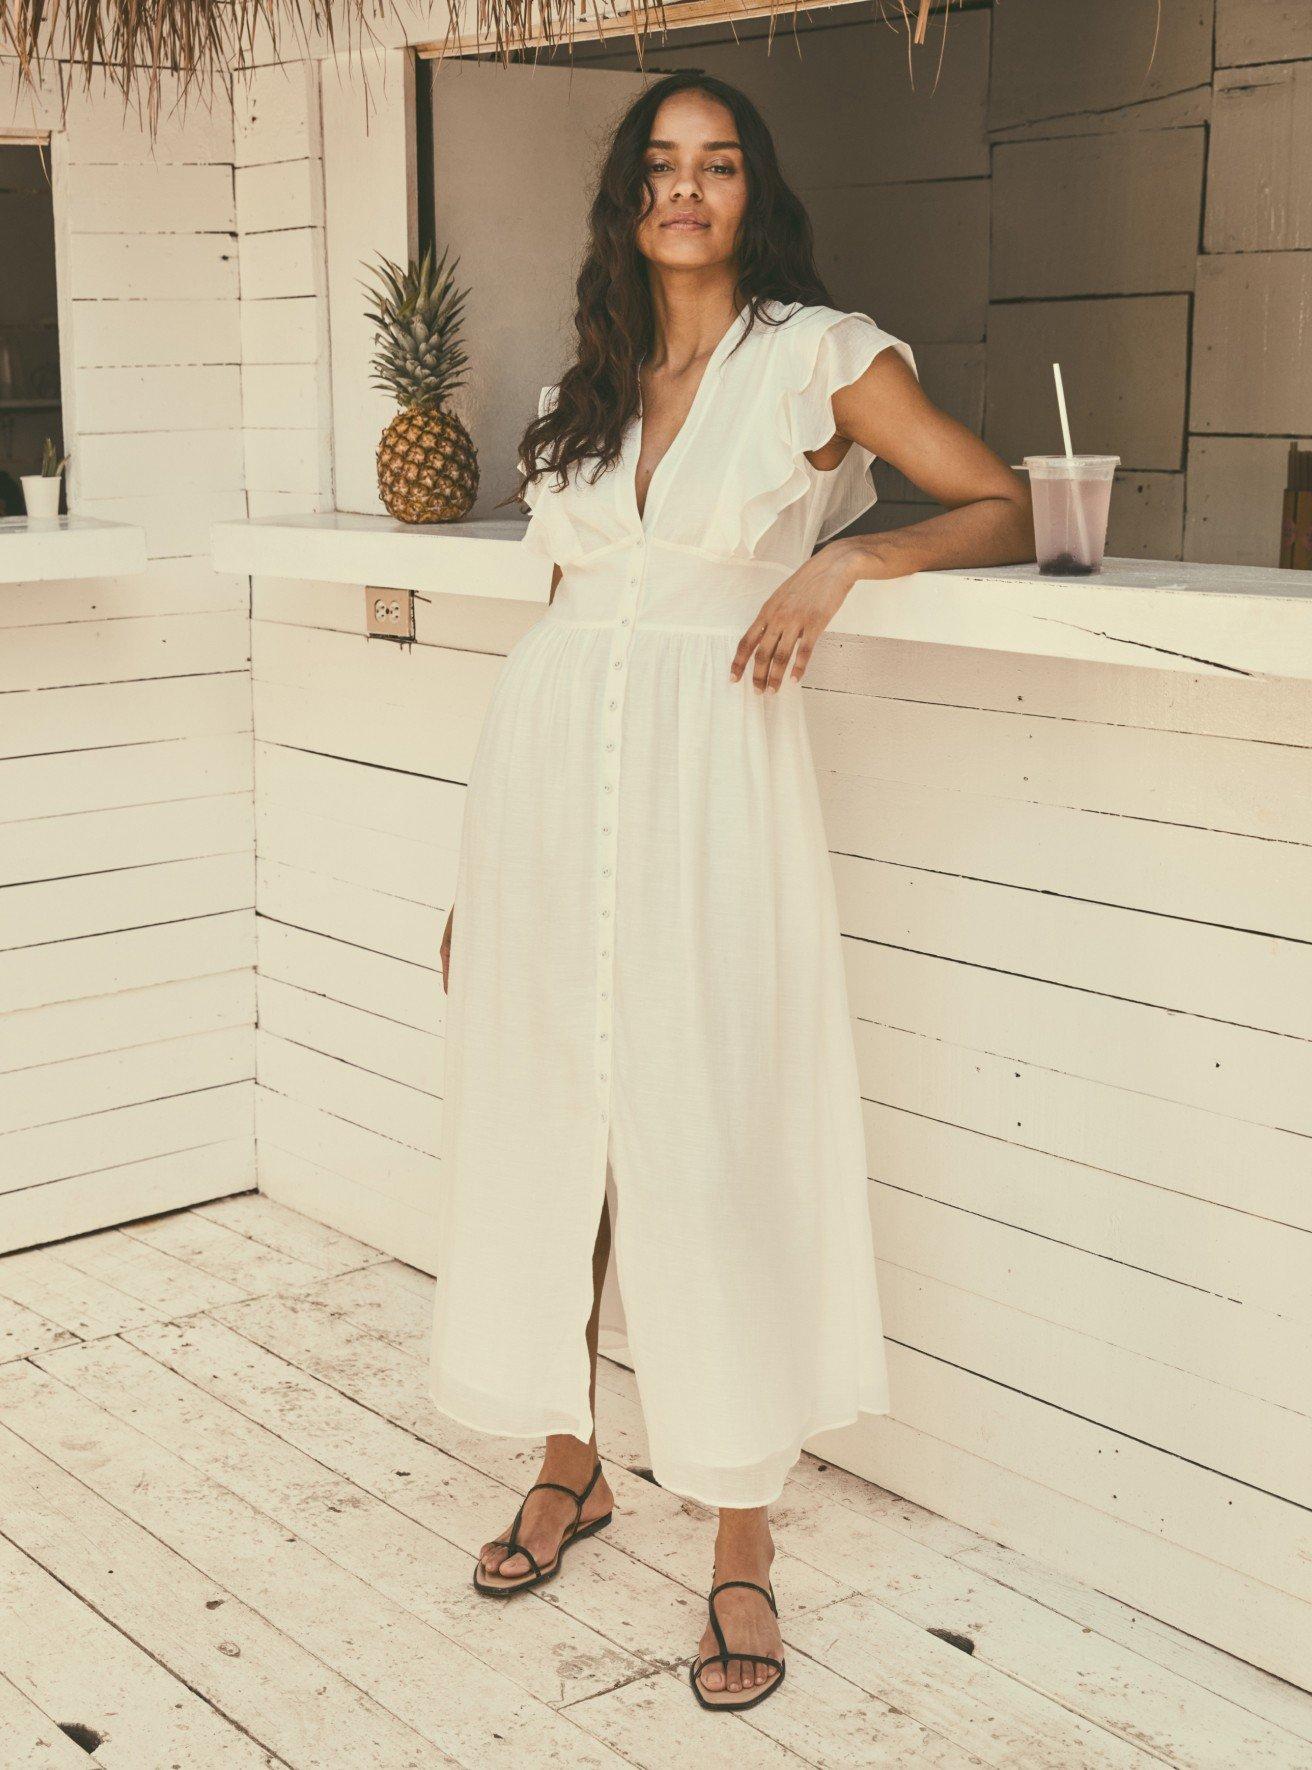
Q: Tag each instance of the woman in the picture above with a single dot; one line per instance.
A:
(646, 1016)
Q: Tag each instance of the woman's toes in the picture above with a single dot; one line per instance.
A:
(713, 1678)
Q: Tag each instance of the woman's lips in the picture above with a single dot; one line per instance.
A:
(687, 223)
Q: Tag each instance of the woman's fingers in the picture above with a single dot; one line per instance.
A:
(805, 646)
(765, 651)
(771, 640)
(746, 645)
(779, 663)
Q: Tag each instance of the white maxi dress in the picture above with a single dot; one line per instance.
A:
(647, 997)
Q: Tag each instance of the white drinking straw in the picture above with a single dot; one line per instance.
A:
(1070, 455)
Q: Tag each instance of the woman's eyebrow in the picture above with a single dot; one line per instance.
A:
(705, 144)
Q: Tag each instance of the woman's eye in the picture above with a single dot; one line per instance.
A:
(718, 166)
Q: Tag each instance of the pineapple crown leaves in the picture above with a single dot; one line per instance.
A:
(417, 313)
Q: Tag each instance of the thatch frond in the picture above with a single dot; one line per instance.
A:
(147, 47)
(136, 44)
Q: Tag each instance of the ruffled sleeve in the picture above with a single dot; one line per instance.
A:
(830, 350)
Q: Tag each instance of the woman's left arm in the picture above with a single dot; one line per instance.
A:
(987, 520)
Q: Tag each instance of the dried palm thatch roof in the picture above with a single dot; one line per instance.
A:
(135, 43)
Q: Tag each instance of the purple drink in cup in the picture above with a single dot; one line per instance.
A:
(1071, 496)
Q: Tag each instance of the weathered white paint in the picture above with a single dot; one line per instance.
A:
(216, 1447)
(369, 209)
(1163, 616)
(127, 920)
(66, 547)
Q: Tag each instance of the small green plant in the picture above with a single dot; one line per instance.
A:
(52, 463)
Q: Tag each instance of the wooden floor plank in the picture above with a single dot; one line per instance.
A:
(1250, 1689)
(405, 1667)
(23, 1331)
(290, 1701)
(77, 1668)
(234, 1530)
(220, 1252)
(32, 1741)
(556, 1659)
(620, 1598)
(289, 1232)
(164, 1285)
(1124, 1692)
(950, 1692)
(672, 1535)
(81, 1304)
(1107, 1682)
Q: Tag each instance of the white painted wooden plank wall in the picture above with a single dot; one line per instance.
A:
(1075, 910)
(286, 395)
(126, 792)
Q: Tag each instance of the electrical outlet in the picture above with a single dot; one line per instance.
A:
(389, 614)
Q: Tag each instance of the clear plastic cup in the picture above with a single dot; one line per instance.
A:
(1072, 495)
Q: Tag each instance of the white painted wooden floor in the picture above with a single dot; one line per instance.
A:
(233, 1532)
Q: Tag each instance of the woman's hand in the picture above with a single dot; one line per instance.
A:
(446, 949)
(797, 613)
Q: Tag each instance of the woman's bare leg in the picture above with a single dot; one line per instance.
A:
(743, 1550)
(547, 1516)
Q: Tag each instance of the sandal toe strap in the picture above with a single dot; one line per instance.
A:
(512, 1541)
(515, 1549)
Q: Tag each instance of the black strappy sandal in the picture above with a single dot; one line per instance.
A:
(707, 1698)
(539, 1575)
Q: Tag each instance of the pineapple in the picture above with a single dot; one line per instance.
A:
(427, 462)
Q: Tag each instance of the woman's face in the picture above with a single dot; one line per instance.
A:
(696, 170)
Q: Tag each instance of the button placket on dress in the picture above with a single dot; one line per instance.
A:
(613, 712)
(608, 830)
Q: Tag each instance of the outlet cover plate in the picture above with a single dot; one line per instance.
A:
(389, 614)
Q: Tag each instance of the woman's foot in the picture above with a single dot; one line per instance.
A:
(743, 1550)
(549, 1515)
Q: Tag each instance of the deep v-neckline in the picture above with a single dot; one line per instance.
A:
(683, 434)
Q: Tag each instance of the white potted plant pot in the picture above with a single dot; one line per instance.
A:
(41, 493)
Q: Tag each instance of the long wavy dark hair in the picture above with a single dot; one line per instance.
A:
(775, 260)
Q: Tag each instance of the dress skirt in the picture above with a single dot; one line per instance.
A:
(646, 967)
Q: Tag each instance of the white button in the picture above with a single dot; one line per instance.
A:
(611, 744)
(605, 912)
(602, 1113)
(619, 663)
(609, 786)
(624, 620)
(614, 704)
(602, 1076)
(605, 872)
(605, 829)
(605, 1035)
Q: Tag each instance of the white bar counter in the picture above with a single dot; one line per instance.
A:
(1162, 614)
(43, 549)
